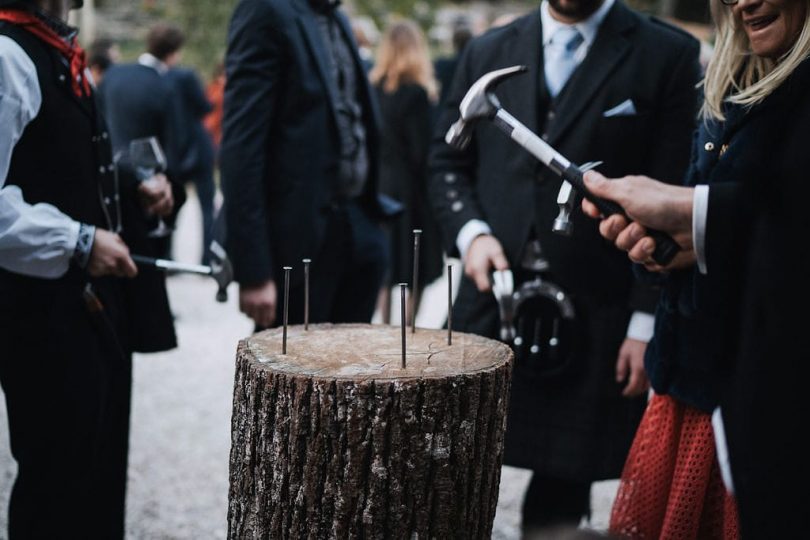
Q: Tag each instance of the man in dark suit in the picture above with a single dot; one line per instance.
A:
(604, 83)
(299, 162)
(139, 101)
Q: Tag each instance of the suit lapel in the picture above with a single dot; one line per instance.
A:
(521, 93)
(312, 35)
(607, 50)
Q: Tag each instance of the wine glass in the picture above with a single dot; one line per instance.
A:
(147, 159)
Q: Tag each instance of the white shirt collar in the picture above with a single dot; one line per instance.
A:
(153, 62)
(588, 28)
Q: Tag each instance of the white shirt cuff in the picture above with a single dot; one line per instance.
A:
(700, 213)
(722, 449)
(641, 327)
(468, 233)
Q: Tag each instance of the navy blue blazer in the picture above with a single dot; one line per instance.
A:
(280, 147)
(195, 145)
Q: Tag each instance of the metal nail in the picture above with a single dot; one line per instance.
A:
(286, 307)
(402, 293)
(449, 304)
(306, 293)
(416, 234)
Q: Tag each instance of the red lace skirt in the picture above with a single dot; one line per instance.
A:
(671, 486)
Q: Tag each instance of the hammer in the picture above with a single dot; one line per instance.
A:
(220, 268)
(481, 102)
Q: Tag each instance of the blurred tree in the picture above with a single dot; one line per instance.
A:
(205, 23)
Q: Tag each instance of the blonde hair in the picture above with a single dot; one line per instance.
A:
(403, 57)
(738, 76)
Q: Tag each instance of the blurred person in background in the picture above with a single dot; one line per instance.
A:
(299, 163)
(407, 92)
(365, 48)
(445, 66)
(140, 101)
(197, 153)
(604, 83)
(215, 94)
(71, 316)
(101, 55)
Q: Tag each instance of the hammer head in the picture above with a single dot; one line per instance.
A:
(480, 102)
(221, 270)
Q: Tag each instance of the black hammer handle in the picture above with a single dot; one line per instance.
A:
(665, 247)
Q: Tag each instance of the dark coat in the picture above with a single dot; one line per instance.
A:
(406, 129)
(280, 146)
(757, 238)
(572, 424)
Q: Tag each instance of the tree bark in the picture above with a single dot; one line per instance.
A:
(336, 440)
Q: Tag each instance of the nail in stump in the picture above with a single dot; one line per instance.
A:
(286, 307)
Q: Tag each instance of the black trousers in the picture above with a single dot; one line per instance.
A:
(345, 276)
(553, 502)
(67, 388)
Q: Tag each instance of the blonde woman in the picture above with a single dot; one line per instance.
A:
(728, 329)
(406, 89)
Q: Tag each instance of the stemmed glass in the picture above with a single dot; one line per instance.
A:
(147, 159)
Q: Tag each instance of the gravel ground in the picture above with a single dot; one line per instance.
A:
(181, 409)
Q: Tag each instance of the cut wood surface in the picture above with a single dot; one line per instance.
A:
(336, 440)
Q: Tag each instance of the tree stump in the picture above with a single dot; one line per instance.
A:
(336, 440)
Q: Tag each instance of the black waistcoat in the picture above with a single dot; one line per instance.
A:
(63, 157)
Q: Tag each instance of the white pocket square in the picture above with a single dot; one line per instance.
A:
(625, 108)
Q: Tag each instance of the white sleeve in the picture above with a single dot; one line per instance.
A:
(700, 213)
(468, 233)
(641, 327)
(36, 240)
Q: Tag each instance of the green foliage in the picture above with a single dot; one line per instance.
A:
(205, 23)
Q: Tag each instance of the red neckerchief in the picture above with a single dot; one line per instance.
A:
(69, 49)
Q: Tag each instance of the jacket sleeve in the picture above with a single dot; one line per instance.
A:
(451, 171)
(253, 70)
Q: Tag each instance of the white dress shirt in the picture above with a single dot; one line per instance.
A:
(36, 240)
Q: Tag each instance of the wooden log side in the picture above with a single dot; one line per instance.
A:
(335, 440)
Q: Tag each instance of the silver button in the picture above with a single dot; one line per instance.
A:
(545, 136)
(709, 146)
(101, 169)
(450, 178)
(110, 167)
(457, 206)
(551, 115)
(107, 201)
(104, 135)
(452, 194)
(61, 78)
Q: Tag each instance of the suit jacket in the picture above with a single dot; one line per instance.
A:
(196, 146)
(280, 146)
(572, 424)
(137, 102)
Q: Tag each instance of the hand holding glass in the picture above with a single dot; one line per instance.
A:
(147, 159)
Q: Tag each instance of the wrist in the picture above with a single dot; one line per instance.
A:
(84, 245)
